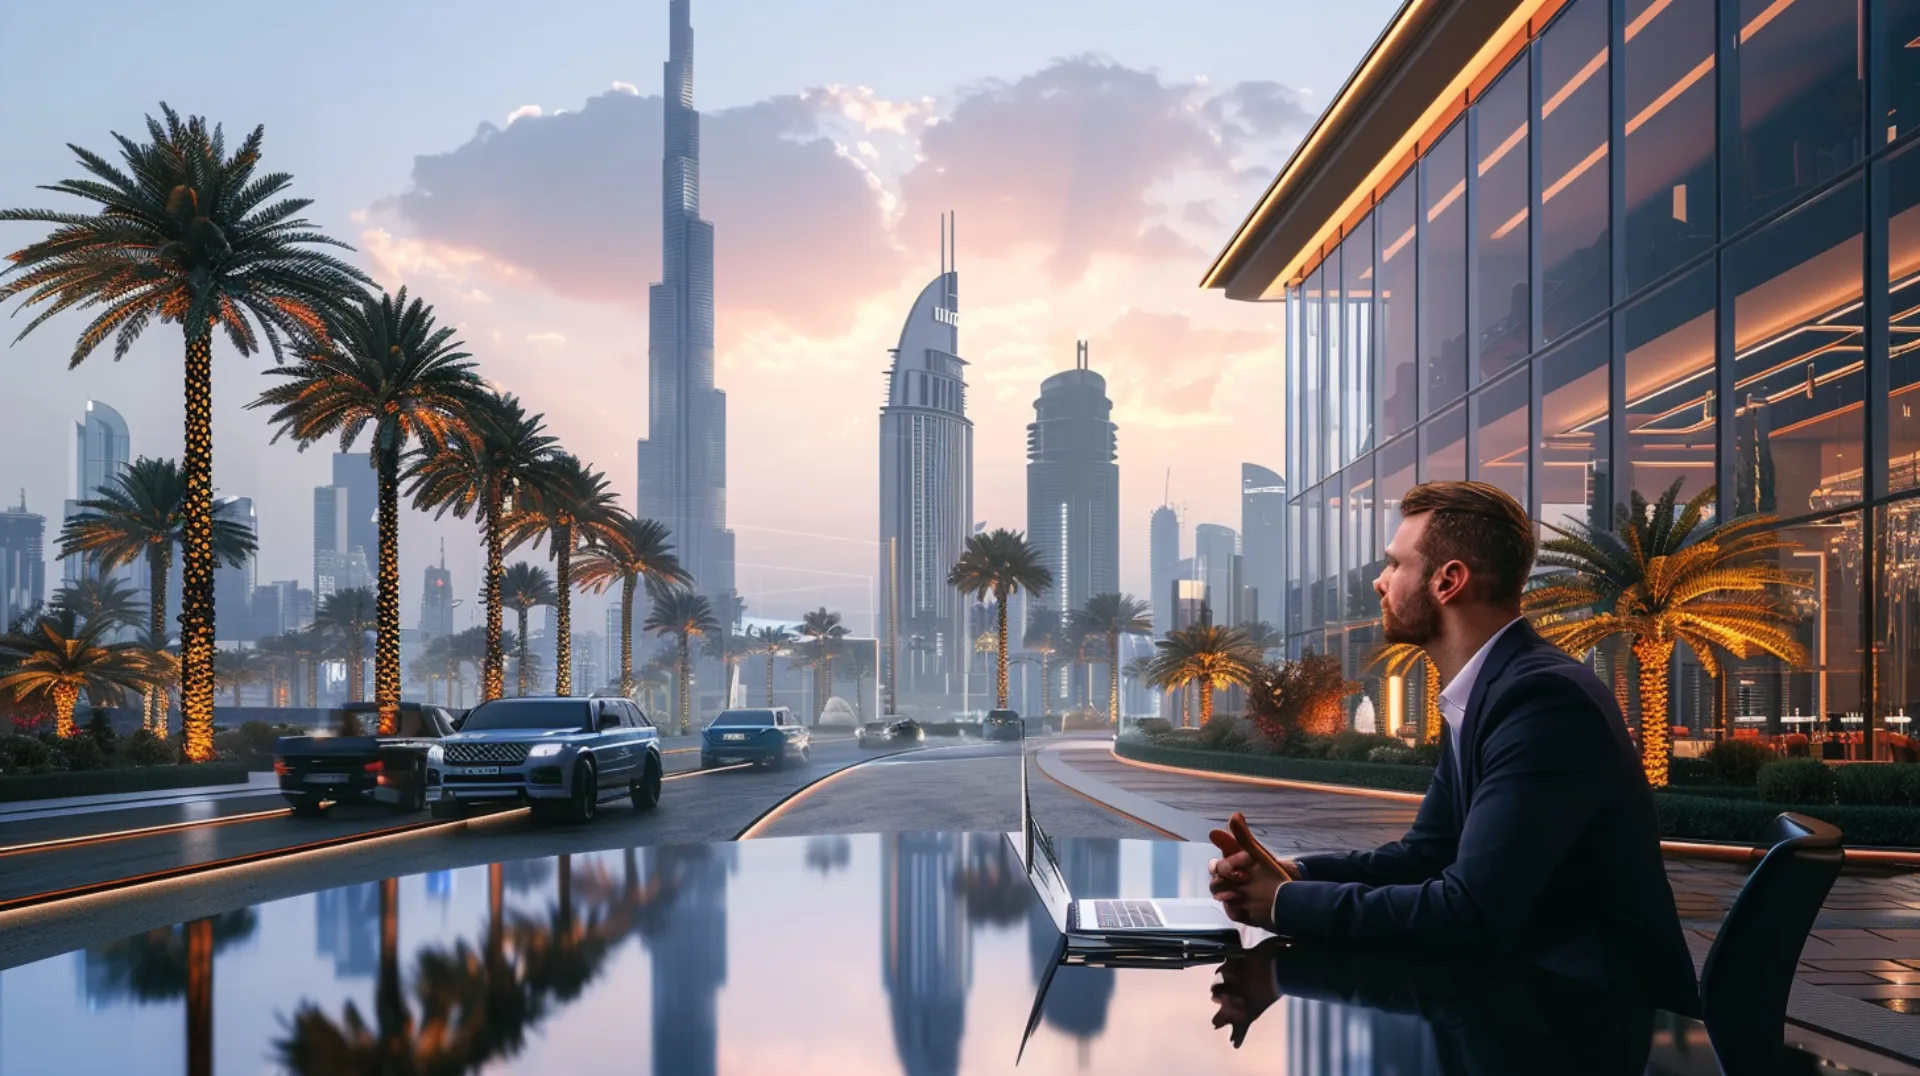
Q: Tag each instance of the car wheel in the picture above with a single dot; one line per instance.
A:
(448, 808)
(585, 801)
(307, 806)
(646, 792)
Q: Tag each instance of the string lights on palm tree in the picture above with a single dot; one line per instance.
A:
(686, 616)
(185, 233)
(999, 564)
(1205, 655)
(568, 505)
(635, 550)
(60, 657)
(1109, 616)
(524, 588)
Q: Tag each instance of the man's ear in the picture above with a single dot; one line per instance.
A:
(1450, 581)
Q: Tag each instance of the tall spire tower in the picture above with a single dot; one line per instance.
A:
(683, 459)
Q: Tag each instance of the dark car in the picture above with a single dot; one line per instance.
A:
(560, 755)
(1002, 725)
(765, 736)
(349, 761)
(900, 732)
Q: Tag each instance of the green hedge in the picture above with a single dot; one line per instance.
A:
(39, 786)
(1321, 771)
(1711, 818)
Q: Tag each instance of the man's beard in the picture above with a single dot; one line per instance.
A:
(1417, 622)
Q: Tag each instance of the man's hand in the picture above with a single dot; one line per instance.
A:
(1245, 990)
(1246, 876)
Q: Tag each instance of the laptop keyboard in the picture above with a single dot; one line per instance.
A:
(1109, 914)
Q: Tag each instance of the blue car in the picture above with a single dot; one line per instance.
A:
(767, 736)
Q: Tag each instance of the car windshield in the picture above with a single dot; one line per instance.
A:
(528, 714)
(750, 718)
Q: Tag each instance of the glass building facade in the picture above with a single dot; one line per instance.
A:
(1659, 242)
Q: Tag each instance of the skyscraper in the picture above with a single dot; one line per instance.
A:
(436, 600)
(233, 586)
(688, 945)
(1073, 485)
(1215, 552)
(682, 461)
(926, 949)
(353, 472)
(101, 452)
(23, 562)
(1263, 540)
(1163, 564)
(338, 564)
(926, 495)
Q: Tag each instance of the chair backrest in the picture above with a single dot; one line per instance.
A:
(1749, 970)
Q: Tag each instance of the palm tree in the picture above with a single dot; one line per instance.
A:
(1000, 563)
(723, 645)
(60, 657)
(769, 642)
(468, 647)
(389, 368)
(1043, 638)
(480, 471)
(162, 656)
(1206, 655)
(107, 604)
(524, 587)
(567, 503)
(635, 550)
(822, 628)
(238, 667)
(684, 615)
(1398, 659)
(188, 234)
(280, 654)
(860, 659)
(139, 515)
(1261, 634)
(649, 682)
(1661, 579)
(1111, 616)
(348, 615)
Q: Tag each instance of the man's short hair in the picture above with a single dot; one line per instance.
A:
(1480, 526)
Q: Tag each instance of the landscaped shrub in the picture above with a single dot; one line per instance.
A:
(1691, 773)
(1796, 781)
(83, 752)
(1288, 699)
(1391, 756)
(1718, 818)
(1426, 754)
(100, 728)
(1878, 784)
(1350, 746)
(1738, 762)
(1153, 726)
(29, 754)
(146, 749)
(1230, 732)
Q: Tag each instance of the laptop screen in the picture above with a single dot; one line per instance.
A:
(1039, 856)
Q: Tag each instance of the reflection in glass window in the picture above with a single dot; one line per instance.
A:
(1827, 557)
(1443, 446)
(1574, 481)
(1443, 269)
(1332, 410)
(1576, 262)
(1897, 566)
(1393, 309)
(1296, 347)
(1296, 544)
(1331, 549)
(1316, 604)
(1670, 388)
(1799, 103)
(1397, 476)
(1313, 361)
(1502, 326)
(1902, 60)
(1361, 557)
(1356, 336)
(1903, 340)
(1798, 337)
(1670, 130)
(1501, 414)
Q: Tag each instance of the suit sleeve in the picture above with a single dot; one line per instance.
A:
(1546, 765)
(1422, 854)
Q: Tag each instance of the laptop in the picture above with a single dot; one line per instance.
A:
(1192, 925)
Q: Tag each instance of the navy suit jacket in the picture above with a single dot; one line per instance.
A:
(1544, 848)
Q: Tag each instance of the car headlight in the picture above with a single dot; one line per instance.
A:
(544, 750)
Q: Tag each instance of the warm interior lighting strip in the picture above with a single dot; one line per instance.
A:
(1599, 154)
(1772, 12)
(1578, 80)
(1686, 82)
(1446, 200)
(1394, 247)
(1519, 135)
(1647, 16)
(1513, 222)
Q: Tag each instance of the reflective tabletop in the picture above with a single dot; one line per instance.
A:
(902, 953)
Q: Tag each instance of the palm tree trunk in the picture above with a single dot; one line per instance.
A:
(769, 678)
(236, 691)
(1656, 664)
(200, 998)
(64, 698)
(1046, 684)
(159, 566)
(1000, 677)
(1430, 696)
(356, 671)
(521, 673)
(1113, 680)
(386, 598)
(313, 681)
(563, 611)
(628, 584)
(686, 689)
(196, 575)
(1205, 688)
(493, 677)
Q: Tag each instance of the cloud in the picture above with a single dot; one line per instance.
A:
(547, 340)
(523, 112)
(627, 88)
(1163, 369)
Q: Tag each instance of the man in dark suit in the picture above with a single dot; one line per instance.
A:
(1537, 841)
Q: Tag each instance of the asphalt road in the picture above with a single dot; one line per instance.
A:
(938, 787)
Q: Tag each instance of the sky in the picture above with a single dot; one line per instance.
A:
(503, 163)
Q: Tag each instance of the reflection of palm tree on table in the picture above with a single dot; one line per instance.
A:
(176, 962)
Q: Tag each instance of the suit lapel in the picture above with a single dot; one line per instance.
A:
(1518, 638)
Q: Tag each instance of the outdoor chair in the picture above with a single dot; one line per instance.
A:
(1749, 971)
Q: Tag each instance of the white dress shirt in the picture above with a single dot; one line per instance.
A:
(1459, 691)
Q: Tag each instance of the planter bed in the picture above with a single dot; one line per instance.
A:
(40, 786)
(1317, 770)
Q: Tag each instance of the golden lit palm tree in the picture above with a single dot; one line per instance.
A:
(478, 473)
(1109, 616)
(524, 588)
(635, 550)
(1043, 637)
(1663, 578)
(103, 603)
(391, 371)
(567, 504)
(59, 657)
(1206, 655)
(684, 615)
(1398, 659)
(822, 628)
(347, 615)
(139, 515)
(999, 564)
(186, 233)
(770, 643)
